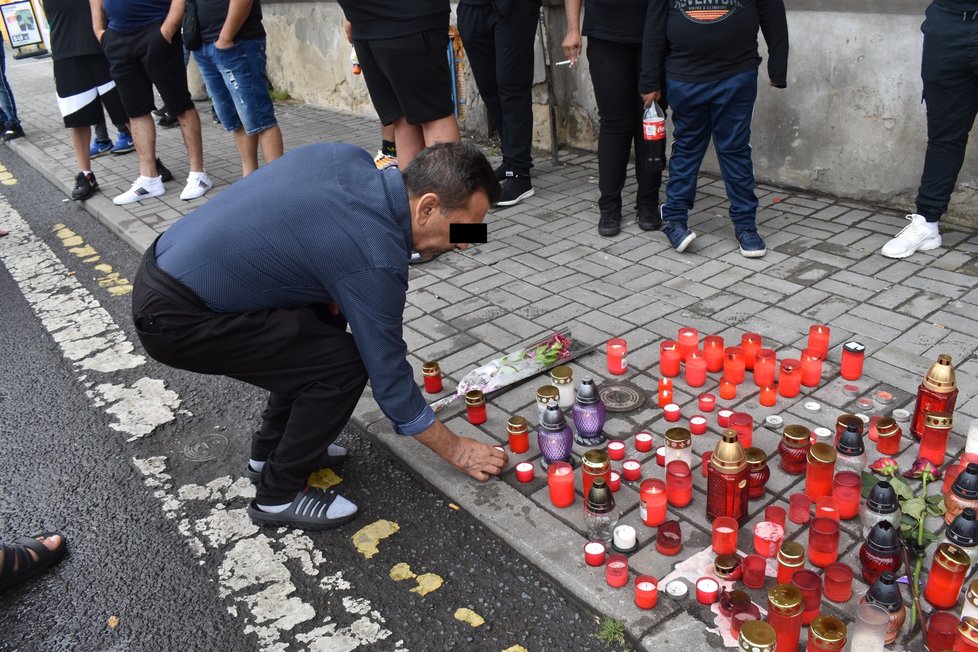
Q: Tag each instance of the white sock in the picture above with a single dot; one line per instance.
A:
(274, 509)
(86, 172)
(341, 507)
(336, 450)
(255, 465)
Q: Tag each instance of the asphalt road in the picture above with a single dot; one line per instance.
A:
(161, 554)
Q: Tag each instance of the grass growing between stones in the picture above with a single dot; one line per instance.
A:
(611, 631)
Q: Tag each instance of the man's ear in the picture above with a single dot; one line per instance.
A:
(428, 205)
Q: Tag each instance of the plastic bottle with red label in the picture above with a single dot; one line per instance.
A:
(654, 131)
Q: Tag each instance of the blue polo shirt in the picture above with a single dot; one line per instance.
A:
(127, 15)
(320, 224)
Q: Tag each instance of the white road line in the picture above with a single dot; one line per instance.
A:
(251, 569)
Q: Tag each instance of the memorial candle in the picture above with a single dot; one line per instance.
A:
(594, 553)
(811, 367)
(560, 480)
(643, 441)
(733, 364)
(823, 542)
(646, 592)
(432, 377)
(820, 470)
(665, 397)
(743, 424)
(728, 389)
(723, 418)
(765, 367)
(616, 570)
(652, 502)
(616, 449)
(689, 341)
(631, 470)
(785, 606)
(707, 402)
(617, 360)
(679, 484)
(695, 369)
(946, 577)
(751, 344)
(818, 339)
(846, 489)
(669, 359)
(475, 407)
(853, 354)
(697, 424)
(725, 531)
(933, 443)
(713, 352)
(768, 396)
(789, 378)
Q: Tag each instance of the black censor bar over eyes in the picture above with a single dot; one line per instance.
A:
(468, 233)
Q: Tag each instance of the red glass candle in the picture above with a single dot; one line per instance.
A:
(660, 455)
(791, 559)
(646, 591)
(743, 424)
(889, 436)
(823, 542)
(665, 397)
(754, 566)
(671, 412)
(820, 470)
(811, 594)
(695, 369)
(669, 359)
(837, 583)
(707, 590)
(594, 553)
(765, 367)
(705, 466)
(853, 354)
(789, 378)
(617, 356)
(697, 424)
(728, 389)
(775, 514)
(966, 639)
(942, 628)
(707, 402)
(785, 606)
(643, 441)
(826, 634)
(616, 570)
(679, 484)
(793, 449)
(616, 449)
(846, 489)
(818, 339)
(560, 479)
(811, 367)
(933, 443)
(475, 407)
(768, 396)
(767, 538)
(614, 481)
(799, 508)
(432, 377)
(733, 364)
(689, 341)
(827, 507)
(652, 502)
(665, 383)
(946, 577)
(524, 472)
(519, 435)
(937, 393)
(725, 535)
(713, 352)
(723, 418)
(669, 538)
(751, 344)
(631, 470)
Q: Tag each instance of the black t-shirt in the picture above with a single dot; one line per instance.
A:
(71, 28)
(621, 21)
(211, 15)
(378, 19)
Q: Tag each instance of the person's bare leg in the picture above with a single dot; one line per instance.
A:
(190, 128)
(387, 132)
(80, 139)
(51, 543)
(143, 131)
(409, 140)
(247, 150)
(271, 143)
(442, 130)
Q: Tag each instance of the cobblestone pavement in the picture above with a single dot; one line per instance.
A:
(545, 268)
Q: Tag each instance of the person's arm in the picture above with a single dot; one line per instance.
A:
(238, 12)
(572, 41)
(174, 18)
(653, 51)
(467, 455)
(774, 26)
(98, 18)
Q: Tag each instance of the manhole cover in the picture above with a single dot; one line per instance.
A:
(205, 447)
(622, 397)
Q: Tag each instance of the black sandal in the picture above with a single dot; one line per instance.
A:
(307, 511)
(20, 565)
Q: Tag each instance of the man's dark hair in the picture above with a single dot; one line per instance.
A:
(454, 172)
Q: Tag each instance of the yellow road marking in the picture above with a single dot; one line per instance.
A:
(516, 648)
(367, 538)
(112, 281)
(427, 583)
(466, 615)
(401, 571)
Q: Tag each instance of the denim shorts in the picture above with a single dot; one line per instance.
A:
(236, 81)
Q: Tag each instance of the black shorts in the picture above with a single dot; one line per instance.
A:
(141, 59)
(84, 86)
(408, 76)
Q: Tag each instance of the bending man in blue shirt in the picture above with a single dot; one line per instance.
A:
(260, 283)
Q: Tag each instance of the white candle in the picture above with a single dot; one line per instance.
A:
(625, 537)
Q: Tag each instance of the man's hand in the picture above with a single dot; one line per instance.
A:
(467, 455)
(98, 34)
(648, 98)
(348, 28)
(572, 46)
(167, 32)
(222, 43)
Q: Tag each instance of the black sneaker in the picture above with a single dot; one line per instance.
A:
(12, 131)
(500, 173)
(167, 120)
(679, 235)
(514, 188)
(85, 186)
(649, 218)
(610, 223)
(163, 171)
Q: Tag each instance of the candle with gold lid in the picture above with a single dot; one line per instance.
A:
(793, 449)
(432, 377)
(758, 636)
(563, 379)
(946, 576)
(728, 480)
(784, 609)
(933, 442)
(545, 394)
(826, 634)
(937, 393)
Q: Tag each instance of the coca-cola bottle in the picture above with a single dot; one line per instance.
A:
(654, 131)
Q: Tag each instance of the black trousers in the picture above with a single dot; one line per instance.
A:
(615, 69)
(303, 356)
(949, 70)
(500, 52)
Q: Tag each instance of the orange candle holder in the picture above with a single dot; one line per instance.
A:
(733, 364)
(751, 344)
(728, 389)
(713, 352)
(789, 378)
(765, 367)
(689, 341)
(818, 339)
(695, 369)
(768, 396)
(811, 367)
(669, 358)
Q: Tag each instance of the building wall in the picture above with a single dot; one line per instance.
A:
(850, 123)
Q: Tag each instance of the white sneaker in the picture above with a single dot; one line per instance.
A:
(919, 235)
(384, 161)
(198, 183)
(143, 188)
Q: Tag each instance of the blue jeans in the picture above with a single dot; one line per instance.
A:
(722, 109)
(7, 105)
(238, 86)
